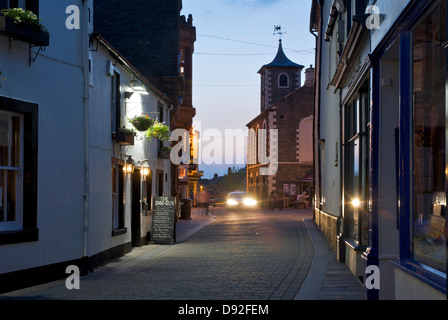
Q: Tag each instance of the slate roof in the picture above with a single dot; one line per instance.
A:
(281, 60)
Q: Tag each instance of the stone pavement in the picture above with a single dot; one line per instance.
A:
(315, 275)
(327, 278)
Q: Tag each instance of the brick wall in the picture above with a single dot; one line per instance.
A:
(145, 32)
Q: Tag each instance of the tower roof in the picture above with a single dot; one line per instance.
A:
(281, 60)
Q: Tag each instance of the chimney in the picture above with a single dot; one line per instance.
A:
(309, 76)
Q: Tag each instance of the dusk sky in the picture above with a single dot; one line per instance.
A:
(235, 38)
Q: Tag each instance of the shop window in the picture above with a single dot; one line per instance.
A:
(356, 167)
(429, 144)
(11, 155)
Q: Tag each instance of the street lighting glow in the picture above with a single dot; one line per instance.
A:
(356, 202)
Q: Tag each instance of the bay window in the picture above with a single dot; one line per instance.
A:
(357, 118)
(429, 139)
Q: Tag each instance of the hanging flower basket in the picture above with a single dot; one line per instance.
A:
(141, 123)
(159, 131)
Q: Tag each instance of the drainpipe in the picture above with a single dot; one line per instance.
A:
(85, 57)
(316, 126)
(340, 230)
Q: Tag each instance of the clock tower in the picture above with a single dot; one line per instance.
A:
(279, 78)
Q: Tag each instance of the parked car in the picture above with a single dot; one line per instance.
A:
(239, 200)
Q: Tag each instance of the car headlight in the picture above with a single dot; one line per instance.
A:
(250, 202)
(232, 202)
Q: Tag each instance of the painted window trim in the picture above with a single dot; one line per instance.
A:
(422, 272)
(29, 231)
(17, 224)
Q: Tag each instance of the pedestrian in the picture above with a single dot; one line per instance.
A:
(202, 200)
(303, 198)
(283, 200)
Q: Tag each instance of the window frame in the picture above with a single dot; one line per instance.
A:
(421, 262)
(32, 5)
(29, 231)
(115, 103)
(355, 134)
(118, 197)
(410, 17)
(146, 194)
(17, 223)
(280, 80)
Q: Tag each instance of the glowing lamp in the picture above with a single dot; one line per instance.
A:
(356, 203)
(129, 167)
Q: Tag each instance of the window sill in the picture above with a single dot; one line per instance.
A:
(24, 32)
(11, 237)
(422, 273)
(119, 231)
(354, 245)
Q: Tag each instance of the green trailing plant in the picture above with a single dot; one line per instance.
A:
(23, 16)
(127, 131)
(141, 123)
(158, 130)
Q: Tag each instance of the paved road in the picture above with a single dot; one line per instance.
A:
(259, 255)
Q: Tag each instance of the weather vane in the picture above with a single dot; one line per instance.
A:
(278, 30)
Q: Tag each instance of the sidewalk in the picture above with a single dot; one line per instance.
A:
(327, 279)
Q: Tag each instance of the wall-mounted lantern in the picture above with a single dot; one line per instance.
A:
(145, 169)
(129, 167)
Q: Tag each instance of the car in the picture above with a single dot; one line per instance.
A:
(239, 200)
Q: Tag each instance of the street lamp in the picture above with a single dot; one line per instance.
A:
(137, 85)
